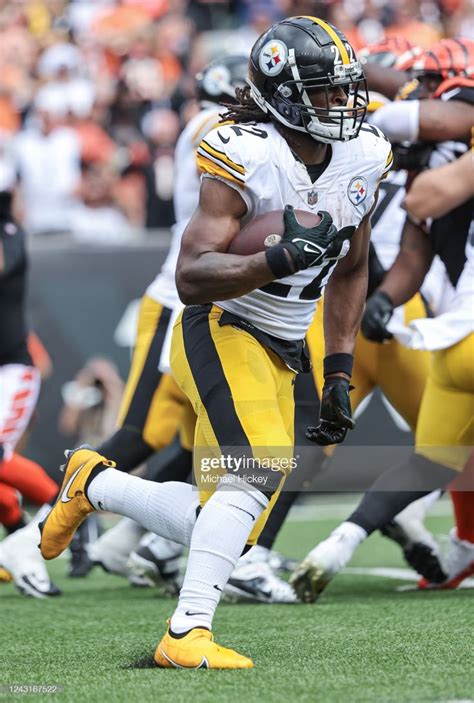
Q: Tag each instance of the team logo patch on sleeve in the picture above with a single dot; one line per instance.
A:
(273, 57)
(357, 190)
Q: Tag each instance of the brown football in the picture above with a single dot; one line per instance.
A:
(266, 230)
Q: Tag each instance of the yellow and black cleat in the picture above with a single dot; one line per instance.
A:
(72, 506)
(197, 650)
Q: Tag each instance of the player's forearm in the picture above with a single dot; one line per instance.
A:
(215, 276)
(409, 269)
(387, 81)
(344, 300)
(436, 192)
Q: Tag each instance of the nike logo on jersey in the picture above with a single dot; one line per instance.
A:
(224, 140)
(243, 510)
(204, 664)
(65, 498)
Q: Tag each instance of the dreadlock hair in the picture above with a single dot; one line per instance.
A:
(245, 109)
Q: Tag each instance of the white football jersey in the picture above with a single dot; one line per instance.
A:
(455, 321)
(256, 161)
(185, 198)
(388, 220)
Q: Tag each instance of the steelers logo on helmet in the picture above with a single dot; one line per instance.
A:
(215, 78)
(273, 57)
(357, 190)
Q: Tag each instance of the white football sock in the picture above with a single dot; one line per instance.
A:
(219, 536)
(418, 509)
(353, 534)
(168, 509)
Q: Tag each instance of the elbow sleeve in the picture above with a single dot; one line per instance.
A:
(400, 121)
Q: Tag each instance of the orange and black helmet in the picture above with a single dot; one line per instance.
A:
(391, 52)
(450, 60)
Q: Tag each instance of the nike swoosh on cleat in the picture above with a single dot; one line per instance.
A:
(191, 614)
(204, 664)
(68, 485)
(243, 510)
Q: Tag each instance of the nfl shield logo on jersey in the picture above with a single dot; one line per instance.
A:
(312, 198)
(357, 190)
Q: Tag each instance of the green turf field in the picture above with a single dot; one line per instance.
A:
(362, 643)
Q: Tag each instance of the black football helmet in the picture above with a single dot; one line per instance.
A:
(300, 54)
(217, 82)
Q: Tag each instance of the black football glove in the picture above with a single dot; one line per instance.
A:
(335, 416)
(377, 313)
(313, 246)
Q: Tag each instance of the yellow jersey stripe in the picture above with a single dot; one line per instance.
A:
(221, 165)
(389, 158)
(337, 41)
(222, 156)
(209, 167)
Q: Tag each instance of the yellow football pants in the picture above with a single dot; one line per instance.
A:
(152, 402)
(445, 430)
(399, 372)
(242, 394)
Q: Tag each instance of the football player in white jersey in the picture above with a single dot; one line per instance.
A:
(444, 436)
(298, 142)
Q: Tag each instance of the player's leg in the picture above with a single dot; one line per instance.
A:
(151, 409)
(444, 438)
(150, 416)
(461, 554)
(459, 561)
(19, 554)
(29, 478)
(243, 397)
(448, 435)
(156, 560)
(397, 363)
(144, 501)
(256, 577)
(11, 514)
(20, 559)
(12, 519)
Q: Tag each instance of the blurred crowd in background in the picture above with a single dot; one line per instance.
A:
(94, 94)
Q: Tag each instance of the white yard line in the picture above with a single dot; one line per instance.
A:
(394, 573)
(340, 507)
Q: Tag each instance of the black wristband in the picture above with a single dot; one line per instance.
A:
(382, 294)
(277, 260)
(338, 363)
